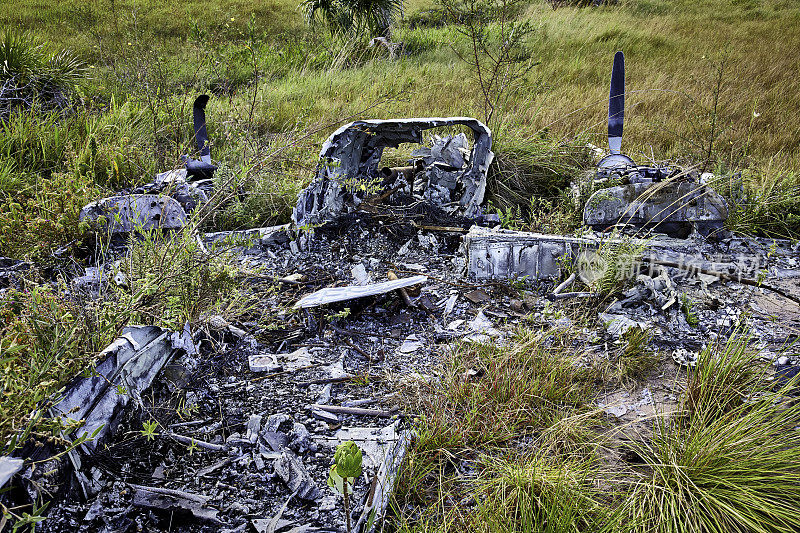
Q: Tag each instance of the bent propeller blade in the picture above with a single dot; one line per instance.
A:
(200, 133)
(616, 104)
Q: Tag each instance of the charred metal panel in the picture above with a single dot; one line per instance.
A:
(351, 156)
(505, 254)
(664, 206)
(124, 214)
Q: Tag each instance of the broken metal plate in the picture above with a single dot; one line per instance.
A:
(350, 158)
(8, 467)
(174, 500)
(668, 206)
(135, 212)
(504, 254)
(376, 443)
(342, 294)
(508, 254)
(292, 471)
(272, 235)
(128, 366)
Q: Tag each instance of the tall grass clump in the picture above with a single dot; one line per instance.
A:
(725, 377)
(491, 398)
(730, 462)
(534, 166)
(489, 394)
(32, 76)
(537, 492)
(765, 202)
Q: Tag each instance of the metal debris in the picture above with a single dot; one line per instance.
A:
(202, 168)
(135, 212)
(442, 175)
(251, 238)
(9, 466)
(505, 254)
(684, 357)
(296, 477)
(174, 500)
(263, 363)
(10, 270)
(670, 207)
(127, 367)
(618, 325)
(378, 501)
(341, 294)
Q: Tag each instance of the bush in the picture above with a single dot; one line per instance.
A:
(37, 224)
(171, 280)
(355, 17)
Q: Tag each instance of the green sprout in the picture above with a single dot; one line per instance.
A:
(345, 469)
(192, 447)
(149, 429)
(341, 315)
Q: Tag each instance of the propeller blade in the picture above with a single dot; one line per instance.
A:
(200, 133)
(616, 104)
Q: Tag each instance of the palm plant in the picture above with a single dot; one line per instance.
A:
(353, 16)
(32, 75)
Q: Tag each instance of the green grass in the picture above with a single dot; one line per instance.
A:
(725, 461)
(45, 340)
(488, 398)
(277, 77)
(530, 385)
(728, 464)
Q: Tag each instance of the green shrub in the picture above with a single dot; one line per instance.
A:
(36, 224)
(171, 280)
(537, 492)
(45, 340)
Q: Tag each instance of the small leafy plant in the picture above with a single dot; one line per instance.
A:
(149, 429)
(345, 469)
(687, 305)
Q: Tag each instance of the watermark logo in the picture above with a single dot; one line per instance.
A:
(591, 267)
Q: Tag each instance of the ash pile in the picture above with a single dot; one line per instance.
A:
(232, 427)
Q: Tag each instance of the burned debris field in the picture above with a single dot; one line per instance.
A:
(400, 266)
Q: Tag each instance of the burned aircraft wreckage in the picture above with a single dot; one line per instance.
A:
(447, 179)
(660, 197)
(447, 175)
(440, 193)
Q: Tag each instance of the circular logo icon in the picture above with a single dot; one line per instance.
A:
(591, 267)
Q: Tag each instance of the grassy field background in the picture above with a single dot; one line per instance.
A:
(675, 50)
(712, 84)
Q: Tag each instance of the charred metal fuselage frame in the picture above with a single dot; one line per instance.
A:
(351, 157)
